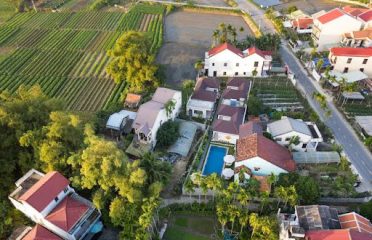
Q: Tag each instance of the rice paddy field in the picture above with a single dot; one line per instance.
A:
(66, 53)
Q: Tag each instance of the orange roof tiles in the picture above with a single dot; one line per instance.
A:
(337, 234)
(352, 52)
(40, 233)
(330, 16)
(264, 184)
(258, 145)
(67, 213)
(45, 190)
(133, 98)
(249, 128)
(362, 34)
(302, 23)
(223, 47)
(356, 222)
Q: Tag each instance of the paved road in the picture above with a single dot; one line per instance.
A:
(355, 150)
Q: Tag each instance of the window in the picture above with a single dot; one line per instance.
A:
(346, 70)
(212, 64)
(225, 64)
(56, 199)
(257, 169)
(365, 61)
(255, 64)
(361, 69)
(288, 138)
(278, 139)
(224, 73)
(244, 73)
(65, 190)
(236, 73)
(349, 60)
(237, 64)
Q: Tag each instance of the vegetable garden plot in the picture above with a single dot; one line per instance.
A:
(66, 53)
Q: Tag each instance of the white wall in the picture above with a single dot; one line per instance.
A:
(203, 106)
(265, 167)
(340, 63)
(303, 137)
(162, 117)
(246, 64)
(53, 203)
(331, 33)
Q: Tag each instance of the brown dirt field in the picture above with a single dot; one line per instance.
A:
(311, 6)
(187, 36)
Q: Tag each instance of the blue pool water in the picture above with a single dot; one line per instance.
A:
(214, 162)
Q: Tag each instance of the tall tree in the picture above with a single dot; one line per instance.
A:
(133, 61)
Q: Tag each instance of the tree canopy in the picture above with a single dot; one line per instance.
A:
(167, 133)
(133, 62)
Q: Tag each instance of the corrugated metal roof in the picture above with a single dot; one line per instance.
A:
(316, 157)
(183, 144)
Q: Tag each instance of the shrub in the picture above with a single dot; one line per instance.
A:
(167, 134)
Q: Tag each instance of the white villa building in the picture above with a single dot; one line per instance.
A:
(329, 27)
(287, 128)
(347, 59)
(362, 38)
(152, 114)
(202, 101)
(263, 156)
(48, 200)
(225, 60)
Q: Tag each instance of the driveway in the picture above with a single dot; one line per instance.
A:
(355, 150)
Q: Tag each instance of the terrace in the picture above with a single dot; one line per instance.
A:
(25, 183)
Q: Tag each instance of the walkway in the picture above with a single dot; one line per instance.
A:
(355, 150)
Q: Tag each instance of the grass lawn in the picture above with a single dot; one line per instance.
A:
(190, 227)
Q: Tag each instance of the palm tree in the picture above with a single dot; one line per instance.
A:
(222, 28)
(204, 188)
(321, 99)
(222, 214)
(280, 193)
(233, 212)
(264, 200)
(271, 180)
(214, 183)
(169, 107)
(189, 187)
(157, 171)
(198, 65)
(243, 219)
(291, 196)
(198, 178)
(216, 36)
(243, 197)
(187, 88)
(233, 189)
(253, 222)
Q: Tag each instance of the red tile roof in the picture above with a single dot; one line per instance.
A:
(302, 23)
(367, 16)
(223, 47)
(67, 213)
(354, 11)
(40, 233)
(232, 126)
(264, 184)
(356, 222)
(200, 92)
(351, 52)
(249, 128)
(337, 234)
(242, 92)
(257, 145)
(45, 190)
(132, 98)
(330, 16)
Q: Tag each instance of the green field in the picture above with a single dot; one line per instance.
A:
(6, 10)
(190, 227)
(65, 53)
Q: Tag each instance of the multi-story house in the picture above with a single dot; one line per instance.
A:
(231, 112)
(225, 60)
(48, 200)
(203, 100)
(348, 59)
(328, 28)
(362, 38)
(283, 131)
(152, 114)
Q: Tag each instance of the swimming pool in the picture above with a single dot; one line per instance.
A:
(214, 161)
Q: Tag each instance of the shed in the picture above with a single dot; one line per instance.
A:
(352, 96)
(365, 123)
(121, 121)
(315, 157)
(132, 100)
(267, 3)
(187, 131)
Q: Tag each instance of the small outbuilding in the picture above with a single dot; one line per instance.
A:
(187, 131)
(365, 124)
(316, 157)
(121, 122)
(132, 100)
